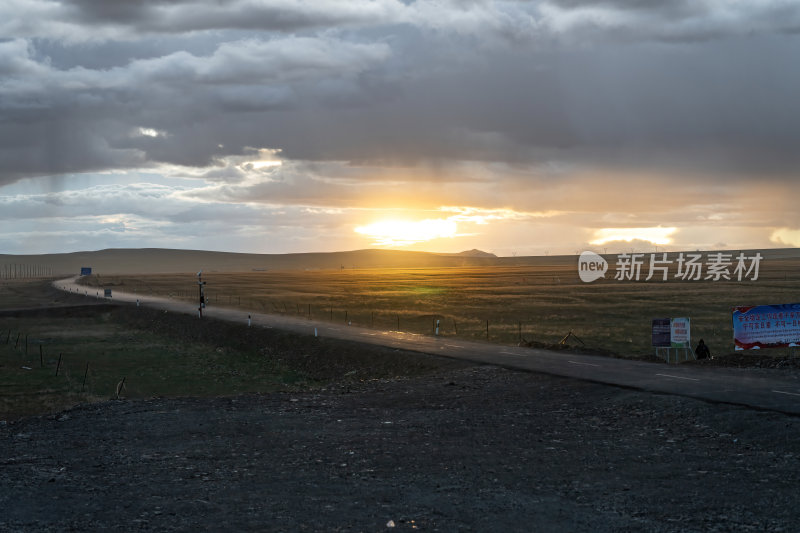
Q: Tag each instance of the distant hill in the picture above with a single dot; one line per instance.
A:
(473, 253)
(158, 260)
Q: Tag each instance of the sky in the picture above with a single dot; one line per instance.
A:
(516, 127)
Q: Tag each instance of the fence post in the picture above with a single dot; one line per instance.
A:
(59, 364)
(84, 376)
(120, 387)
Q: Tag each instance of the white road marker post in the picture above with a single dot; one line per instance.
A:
(200, 284)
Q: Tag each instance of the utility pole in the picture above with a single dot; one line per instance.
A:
(200, 284)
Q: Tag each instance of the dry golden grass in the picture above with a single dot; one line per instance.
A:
(539, 302)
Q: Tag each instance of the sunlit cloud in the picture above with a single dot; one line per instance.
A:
(479, 215)
(264, 164)
(405, 232)
(262, 158)
(786, 236)
(150, 132)
(656, 235)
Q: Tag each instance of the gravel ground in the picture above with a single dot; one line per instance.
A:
(469, 449)
(444, 447)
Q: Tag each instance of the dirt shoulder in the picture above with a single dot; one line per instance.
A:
(470, 449)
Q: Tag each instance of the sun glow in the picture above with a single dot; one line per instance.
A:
(406, 232)
(656, 235)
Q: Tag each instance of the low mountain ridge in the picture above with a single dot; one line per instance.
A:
(161, 260)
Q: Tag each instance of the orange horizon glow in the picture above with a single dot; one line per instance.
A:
(655, 235)
(406, 232)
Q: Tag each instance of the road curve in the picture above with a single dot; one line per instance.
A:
(769, 390)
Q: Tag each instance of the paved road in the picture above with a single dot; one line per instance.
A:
(762, 389)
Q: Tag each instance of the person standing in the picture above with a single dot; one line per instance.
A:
(702, 351)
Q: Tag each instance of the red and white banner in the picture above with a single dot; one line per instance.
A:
(766, 326)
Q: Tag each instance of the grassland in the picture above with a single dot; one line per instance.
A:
(59, 349)
(501, 303)
(52, 361)
(540, 303)
(56, 351)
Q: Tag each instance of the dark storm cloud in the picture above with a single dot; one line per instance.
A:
(112, 19)
(127, 12)
(55, 118)
(560, 83)
(638, 5)
(673, 20)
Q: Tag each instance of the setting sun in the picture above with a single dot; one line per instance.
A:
(405, 232)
